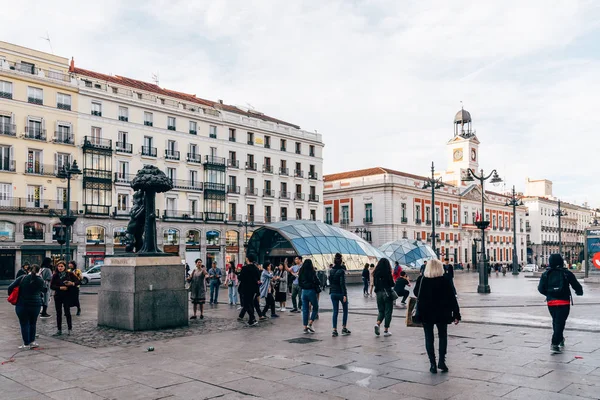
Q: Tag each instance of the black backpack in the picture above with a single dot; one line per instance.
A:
(556, 283)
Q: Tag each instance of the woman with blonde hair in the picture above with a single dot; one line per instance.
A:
(437, 305)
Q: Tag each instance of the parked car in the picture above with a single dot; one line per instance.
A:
(92, 275)
(530, 268)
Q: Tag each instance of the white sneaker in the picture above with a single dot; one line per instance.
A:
(34, 345)
(387, 334)
(376, 327)
(282, 309)
(24, 347)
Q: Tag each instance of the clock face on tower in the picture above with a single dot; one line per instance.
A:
(458, 155)
(473, 155)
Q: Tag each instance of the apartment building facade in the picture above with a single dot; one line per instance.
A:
(232, 169)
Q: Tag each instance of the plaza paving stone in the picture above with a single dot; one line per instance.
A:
(491, 355)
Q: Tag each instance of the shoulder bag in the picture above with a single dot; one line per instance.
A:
(413, 317)
(14, 295)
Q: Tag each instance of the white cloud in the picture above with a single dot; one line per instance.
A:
(381, 79)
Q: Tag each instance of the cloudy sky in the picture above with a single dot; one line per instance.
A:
(380, 79)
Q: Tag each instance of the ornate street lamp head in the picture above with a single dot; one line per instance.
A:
(496, 178)
(468, 177)
(74, 169)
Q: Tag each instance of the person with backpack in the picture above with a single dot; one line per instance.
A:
(339, 294)
(29, 303)
(554, 284)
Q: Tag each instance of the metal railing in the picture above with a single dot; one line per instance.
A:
(64, 138)
(298, 173)
(299, 196)
(171, 155)
(183, 214)
(149, 151)
(233, 163)
(418, 221)
(35, 100)
(63, 106)
(7, 165)
(187, 185)
(194, 158)
(214, 160)
(35, 133)
(313, 175)
(30, 205)
(250, 166)
(268, 193)
(251, 191)
(34, 168)
(234, 217)
(219, 187)
(124, 147)
(123, 178)
(93, 142)
(268, 169)
(284, 171)
(214, 217)
(368, 220)
(233, 189)
(97, 174)
(8, 129)
(94, 209)
(404, 220)
(313, 197)
(284, 195)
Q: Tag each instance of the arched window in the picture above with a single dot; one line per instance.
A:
(7, 231)
(171, 237)
(212, 238)
(119, 235)
(33, 231)
(232, 238)
(192, 237)
(95, 235)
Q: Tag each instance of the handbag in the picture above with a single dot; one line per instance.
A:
(14, 296)
(413, 317)
(390, 293)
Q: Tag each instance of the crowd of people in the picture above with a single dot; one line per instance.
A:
(37, 285)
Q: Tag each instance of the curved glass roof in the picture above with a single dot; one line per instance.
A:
(314, 240)
(412, 253)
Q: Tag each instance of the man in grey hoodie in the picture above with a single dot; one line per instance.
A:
(46, 275)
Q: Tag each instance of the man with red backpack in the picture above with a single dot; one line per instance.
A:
(554, 284)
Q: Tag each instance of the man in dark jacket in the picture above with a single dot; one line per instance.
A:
(249, 278)
(338, 293)
(449, 273)
(554, 284)
(23, 271)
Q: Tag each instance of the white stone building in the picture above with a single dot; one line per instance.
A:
(384, 205)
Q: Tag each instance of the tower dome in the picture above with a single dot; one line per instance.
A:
(462, 117)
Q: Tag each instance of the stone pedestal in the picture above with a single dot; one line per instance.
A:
(143, 293)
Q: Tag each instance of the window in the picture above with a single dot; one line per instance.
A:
(6, 90)
(193, 127)
(171, 123)
(63, 133)
(35, 95)
(212, 131)
(446, 215)
(284, 193)
(283, 213)
(267, 142)
(268, 214)
(368, 213)
(26, 67)
(96, 109)
(328, 215)
(298, 213)
(232, 137)
(148, 118)
(34, 196)
(171, 237)
(61, 160)
(268, 188)
(428, 215)
(123, 169)
(123, 114)
(172, 173)
(493, 221)
(313, 215)
(6, 160)
(193, 177)
(283, 167)
(250, 212)
(283, 144)
(251, 138)
(298, 148)
(250, 162)
(63, 101)
(233, 212)
(250, 184)
(417, 213)
(268, 167)
(33, 231)
(122, 202)
(123, 138)
(94, 235)
(345, 215)
(34, 162)
(193, 208)
(311, 150)
(403, 211)
(171, 205)
(466, 218)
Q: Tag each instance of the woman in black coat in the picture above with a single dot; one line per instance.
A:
(29, 303)
(64, 284)
(437, 306)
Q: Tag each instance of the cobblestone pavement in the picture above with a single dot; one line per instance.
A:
(221, 358)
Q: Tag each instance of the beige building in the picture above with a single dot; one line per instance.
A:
(232, 169)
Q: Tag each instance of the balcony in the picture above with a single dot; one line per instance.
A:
(187, 185)
(233, 164)
(215, 187)
(298, 151)
(268, 219)
(7, 166)
(234, 218)
(438, 223)
(251, 192)
(328, 222)
(6, 95)
(172, 155)
(63, 138)
(268, 169)
(268, 193)
(267, 145)
(418, 221)
(99, 174)
(212, 135)
(299, 196)
(345, 222)
(94, 209)
(149, 151)
(284, 171)
(23, 205)
(528, 228)
(368, 220)
(123, 118)
(298, 173)
(313, 197)
(232, 139)
(428, 222)
(494, 227)
(35, 133)
(123, 178)
(233, 189)
(250, 166)
(148, 123)
(96, 113)
(251, 142)
(91, 142)
(34, 168)
(447, 224)
(63, 106)
(214, 217)
(313, 175)
(182, 214)
(8, 129)
(311, 153)
(171, 128)
(214, 160)
(119, 212)
(35, 100)
(404, 220)
(282, 148)
(194, 158)
(121, 147)
(284, 195)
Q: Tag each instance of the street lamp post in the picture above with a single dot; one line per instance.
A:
(433, 184)
(559, 213)
(61, 240)
(246, 224)
(514, 202)
(363, 232)
(483, 286)
(67, 172)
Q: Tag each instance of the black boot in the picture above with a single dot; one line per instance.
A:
(432, 367)
(442, 365)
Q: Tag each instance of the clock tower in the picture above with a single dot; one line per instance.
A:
(463, 149)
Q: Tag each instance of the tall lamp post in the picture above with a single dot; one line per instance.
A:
(364, 233)
(61, 240)
(246, 224)
(514, 202)
(483, 286)
(433, 184)
(68, 171)
(559, 213)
